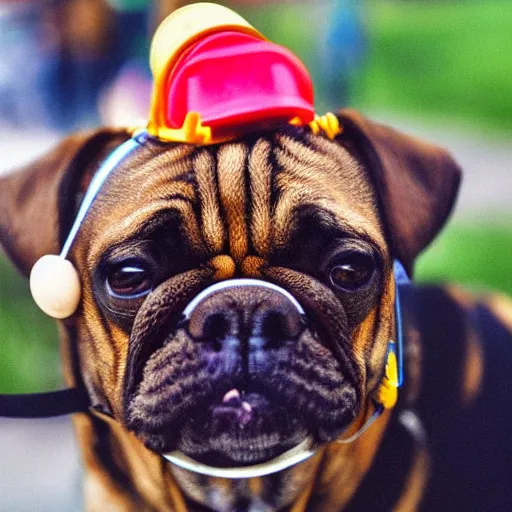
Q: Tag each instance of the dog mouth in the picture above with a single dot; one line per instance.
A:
(203, 404)
(243, 428)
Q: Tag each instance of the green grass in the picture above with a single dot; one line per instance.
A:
(441, 59)
(28, 339)
(477, 255)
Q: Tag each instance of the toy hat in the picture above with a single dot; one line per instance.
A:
(216, 77)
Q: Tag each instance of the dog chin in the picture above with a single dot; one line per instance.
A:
(246, 430)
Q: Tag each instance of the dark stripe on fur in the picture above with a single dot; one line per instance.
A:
(248, 197)
(108, 455)
(383, 485)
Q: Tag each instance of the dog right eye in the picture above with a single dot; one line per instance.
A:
(129, 282)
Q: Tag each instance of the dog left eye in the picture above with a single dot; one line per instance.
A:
(129, 282)
(351, 271)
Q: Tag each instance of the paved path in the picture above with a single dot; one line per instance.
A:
(39, 465)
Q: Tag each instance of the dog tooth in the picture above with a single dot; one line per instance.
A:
(247, 407)
(233, 394)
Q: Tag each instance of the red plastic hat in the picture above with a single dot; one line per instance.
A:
(231, 79)
(216, 77)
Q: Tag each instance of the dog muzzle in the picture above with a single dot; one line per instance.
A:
(298, 454)
(304, 450)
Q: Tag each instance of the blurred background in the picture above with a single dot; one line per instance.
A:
(440, 69)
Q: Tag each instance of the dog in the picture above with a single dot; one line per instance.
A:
(248, 375)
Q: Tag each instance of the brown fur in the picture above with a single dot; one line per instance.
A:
(239, 207)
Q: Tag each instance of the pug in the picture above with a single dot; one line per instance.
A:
(238, 300)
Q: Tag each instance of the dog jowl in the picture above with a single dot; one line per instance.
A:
(251, 371)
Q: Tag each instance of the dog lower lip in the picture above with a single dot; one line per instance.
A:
(241, 429)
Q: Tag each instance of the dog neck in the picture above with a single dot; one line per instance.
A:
(288, 488)
(116, 456)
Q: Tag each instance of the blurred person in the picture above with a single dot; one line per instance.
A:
(125, 102)
(342, 50)
(20, 64)
(81, 56)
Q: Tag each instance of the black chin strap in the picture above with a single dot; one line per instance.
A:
(44, 405)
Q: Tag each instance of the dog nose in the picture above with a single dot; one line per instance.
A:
(253, 317)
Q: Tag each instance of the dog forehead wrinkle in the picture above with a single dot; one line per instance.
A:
(329, 178)
(260, 174)
(231, 163)
(317, 184)
(320, 160)
(158, 158)
(127, 181)
(332, 217)
(139, 181)
(209, 201)
(119, 228)
(115, 228)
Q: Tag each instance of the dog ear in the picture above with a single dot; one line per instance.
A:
(38, 202)
(416, 182)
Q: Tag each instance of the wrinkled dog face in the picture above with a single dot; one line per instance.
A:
(247, 377)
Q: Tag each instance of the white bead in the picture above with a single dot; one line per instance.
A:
(55, 286)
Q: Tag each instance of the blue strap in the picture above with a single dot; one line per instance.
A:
(401, 279)
(97, 182)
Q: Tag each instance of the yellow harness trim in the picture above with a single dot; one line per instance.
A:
(387, 394)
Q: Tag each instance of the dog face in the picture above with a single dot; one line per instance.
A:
(247, 375)
(267, 207)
